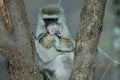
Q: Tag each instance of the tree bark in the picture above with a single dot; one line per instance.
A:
(87, 39)
(16, 43)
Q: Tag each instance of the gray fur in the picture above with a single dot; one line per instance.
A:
(52, 60)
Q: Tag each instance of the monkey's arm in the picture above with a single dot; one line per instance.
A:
(44, 54)
(41, 36)
(62, 47)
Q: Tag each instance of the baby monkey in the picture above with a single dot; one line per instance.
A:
(53, 37)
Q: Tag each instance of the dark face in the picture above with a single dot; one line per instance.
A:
(50, 20)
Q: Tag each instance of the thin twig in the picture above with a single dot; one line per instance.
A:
(109, 57)
(106, 70)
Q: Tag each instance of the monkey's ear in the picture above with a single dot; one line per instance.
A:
(51, 31)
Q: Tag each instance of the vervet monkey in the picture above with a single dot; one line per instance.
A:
(57, 63)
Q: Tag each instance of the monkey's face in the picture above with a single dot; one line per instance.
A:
(51, 31)
(55, 29)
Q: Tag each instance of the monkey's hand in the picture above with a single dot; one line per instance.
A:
(41, 36)
(44, 54)
(65, 49)
(63, 45)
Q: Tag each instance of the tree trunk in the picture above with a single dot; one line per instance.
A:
(87, 39)
(16, 43)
